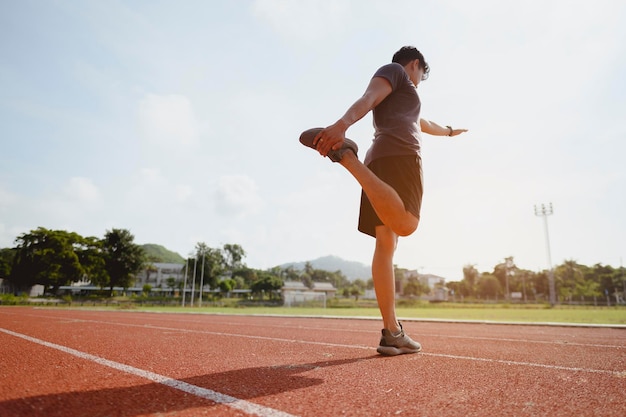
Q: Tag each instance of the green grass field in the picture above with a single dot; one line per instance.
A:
(503, 313)
(509, 313)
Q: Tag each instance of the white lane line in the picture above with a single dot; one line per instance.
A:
(530, 364)
(561, 343)
(619, 374)
(241, 405)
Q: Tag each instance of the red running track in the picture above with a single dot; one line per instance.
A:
(58, 362)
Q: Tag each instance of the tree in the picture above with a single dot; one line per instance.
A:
(171, 283)
(505, 272)
(290, 273)
(307, 280)
(308, 268)
(526, 278)
(489, 286)
(247, 275)
(46, 257)
(569, 275)
(267, 283)
(214, 267)
(91, 257)
(226, 286)
(540, 284)
(470, 277)
(414, 287)
(607, 277)
(588, 288)
(356, 292)
(6, 261)
(357, 288)
(233, 255)
(147, 289)
(123, 259)
(337, 278)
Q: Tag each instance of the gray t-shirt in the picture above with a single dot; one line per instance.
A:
(396, 118)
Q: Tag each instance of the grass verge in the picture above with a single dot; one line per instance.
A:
(527, 314)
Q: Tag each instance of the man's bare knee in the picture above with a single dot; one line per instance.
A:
(407, 228)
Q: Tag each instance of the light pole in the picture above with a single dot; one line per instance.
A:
(545, 211)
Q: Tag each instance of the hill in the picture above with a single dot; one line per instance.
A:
(160, 254)
(351, 269)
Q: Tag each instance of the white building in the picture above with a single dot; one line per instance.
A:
(295, 292)
(158, 274)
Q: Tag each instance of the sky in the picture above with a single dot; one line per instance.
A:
(179, 121)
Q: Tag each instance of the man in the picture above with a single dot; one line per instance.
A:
(391, 174)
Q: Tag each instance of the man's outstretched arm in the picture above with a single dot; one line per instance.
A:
(332, 137)
(433, 128)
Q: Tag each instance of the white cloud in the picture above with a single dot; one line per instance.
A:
(168, 120)
(183, 192)
(309, 21)
(82, 190)
(237, 195)
(150, 175)
(7, 198)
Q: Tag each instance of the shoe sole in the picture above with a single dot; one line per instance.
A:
(395, 351)
(307, 137)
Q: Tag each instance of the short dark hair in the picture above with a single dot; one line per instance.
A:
(407, 54)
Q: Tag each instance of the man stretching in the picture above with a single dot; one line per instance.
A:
(391, 174)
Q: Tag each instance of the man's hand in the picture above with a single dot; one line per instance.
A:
(457, 132)
(331, 137)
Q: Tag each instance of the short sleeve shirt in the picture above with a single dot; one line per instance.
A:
(396, 118)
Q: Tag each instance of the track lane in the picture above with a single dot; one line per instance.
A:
(293, 363)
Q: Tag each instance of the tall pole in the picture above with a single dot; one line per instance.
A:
(201, 279)
(621, 267)
(185, 281)
(193, 285)
(545, 211)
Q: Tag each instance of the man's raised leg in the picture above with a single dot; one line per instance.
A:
(384, 199)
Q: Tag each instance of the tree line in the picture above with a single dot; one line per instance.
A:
(55, 258)
(574, 282)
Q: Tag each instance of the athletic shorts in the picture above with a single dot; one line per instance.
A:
(403, 174)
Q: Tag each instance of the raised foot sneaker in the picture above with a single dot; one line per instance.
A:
(306, 138)
(391, 345)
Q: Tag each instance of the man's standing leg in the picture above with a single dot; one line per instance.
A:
(384, 278)
(393, 341)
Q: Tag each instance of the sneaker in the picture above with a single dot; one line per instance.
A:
(391, 345)
(306, 138)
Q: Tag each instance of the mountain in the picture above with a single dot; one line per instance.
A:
(351, 269)
(159, 254)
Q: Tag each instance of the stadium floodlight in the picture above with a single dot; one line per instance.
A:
(545, 211)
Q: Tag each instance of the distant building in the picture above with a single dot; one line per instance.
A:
(158, 273)
(295, 292)
(433, 281)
